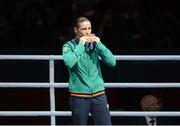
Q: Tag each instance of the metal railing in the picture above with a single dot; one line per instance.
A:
(52, 85)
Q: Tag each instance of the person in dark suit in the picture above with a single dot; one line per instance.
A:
(151, 103)
(148, 103)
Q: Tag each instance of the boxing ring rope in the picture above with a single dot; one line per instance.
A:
(52, 85)
(118, 57)
(108, 85)
(68, 113)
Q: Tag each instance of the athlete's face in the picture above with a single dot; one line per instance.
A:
(83, 29)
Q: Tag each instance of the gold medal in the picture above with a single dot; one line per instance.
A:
(90, 37)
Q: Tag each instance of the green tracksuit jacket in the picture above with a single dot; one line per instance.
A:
(84, 66)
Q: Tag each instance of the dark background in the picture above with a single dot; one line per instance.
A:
(126, 27)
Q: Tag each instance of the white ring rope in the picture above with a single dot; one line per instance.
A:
(68, 113)
(108, 85)
(118, 57)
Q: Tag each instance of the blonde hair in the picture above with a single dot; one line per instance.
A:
(80, 20)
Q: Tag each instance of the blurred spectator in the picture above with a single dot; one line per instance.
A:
(7, 32)
(8, 36)
(35, 21)
(153, 103)
(64, 16)
(107, 28)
